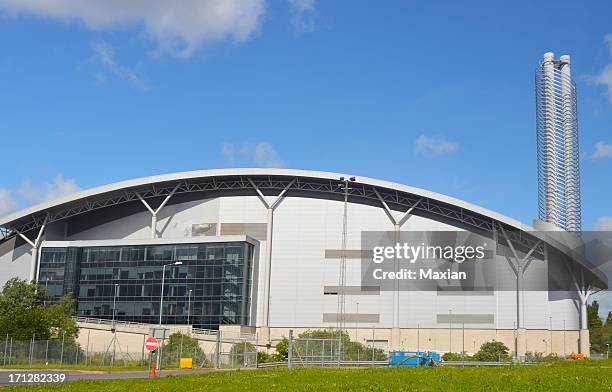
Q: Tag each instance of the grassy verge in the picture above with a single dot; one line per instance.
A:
(562, 376)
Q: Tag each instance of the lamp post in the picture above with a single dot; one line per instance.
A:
(161, 304)
(115, 302)
(161, 299)
(356, 321)
(188, 307)
(564, 350)
(46, 289)
(551, 334)
(114, 329)
(450, 336)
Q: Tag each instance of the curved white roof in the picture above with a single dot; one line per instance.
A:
(258, 172)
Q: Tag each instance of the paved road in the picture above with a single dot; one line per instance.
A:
(73, 375)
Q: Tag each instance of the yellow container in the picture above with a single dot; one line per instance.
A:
(186, 363)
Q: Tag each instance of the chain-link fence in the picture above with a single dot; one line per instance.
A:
(207, 349)
(64, 352)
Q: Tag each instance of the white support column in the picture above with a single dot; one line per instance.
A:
(519, 266)
(35, 247)
(155, 212)
(268, 261)
(584, 291)
(397, 225)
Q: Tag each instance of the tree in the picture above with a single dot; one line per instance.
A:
(60, 318)
(597, 335)
(593, 315)
(492, 351)
(24, 312)
(180, 345)
(21, 313)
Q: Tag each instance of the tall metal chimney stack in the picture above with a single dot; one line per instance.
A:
(557, 135)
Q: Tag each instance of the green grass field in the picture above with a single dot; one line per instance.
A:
(563, 376)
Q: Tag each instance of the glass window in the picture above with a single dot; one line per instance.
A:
(215, 273)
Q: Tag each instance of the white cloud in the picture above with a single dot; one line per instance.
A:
(303, 17)
(605, 76)
(434, 146)
(106, 56)
(7, 203)
(603, 223)
(178, 28)
(48, 190)
(228, 152)
(266, 156)
(261, 154)
(303, 5)
(602, 150)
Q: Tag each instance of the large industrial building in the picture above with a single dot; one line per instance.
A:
(262, 248)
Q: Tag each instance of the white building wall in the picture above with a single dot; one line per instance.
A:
(303, 229)
(14, 263)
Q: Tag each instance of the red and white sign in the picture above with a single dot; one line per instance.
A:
(152, 343)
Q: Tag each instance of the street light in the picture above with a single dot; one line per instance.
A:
(161, 304)
(450, 333)
(115, 302)
(551, 334)
(114, 329)
(356, 321)
(189, 307)
(161, 299)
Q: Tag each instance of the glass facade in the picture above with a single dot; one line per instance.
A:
(211, 287)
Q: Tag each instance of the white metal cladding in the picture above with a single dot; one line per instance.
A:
(557, 141)
(305, 228)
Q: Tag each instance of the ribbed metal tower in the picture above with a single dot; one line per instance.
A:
(558, 153)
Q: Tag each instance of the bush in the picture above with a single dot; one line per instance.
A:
(540, 357)
(264, 357)
(181, 345)
(457, 357)
(492, 351)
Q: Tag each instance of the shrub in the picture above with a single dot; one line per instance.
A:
(457, 357)
(540, 357)
(492, 351)
(181, 345)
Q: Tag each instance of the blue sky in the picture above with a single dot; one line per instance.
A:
(438, 96)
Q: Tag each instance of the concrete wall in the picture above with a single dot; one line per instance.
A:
(456, 340)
